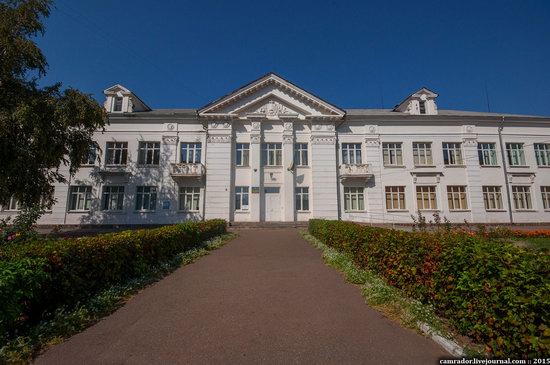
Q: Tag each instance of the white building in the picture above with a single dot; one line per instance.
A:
(271, 151)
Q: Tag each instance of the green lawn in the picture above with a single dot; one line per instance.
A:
(536, 243)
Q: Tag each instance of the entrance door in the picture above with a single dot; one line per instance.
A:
(272, 204)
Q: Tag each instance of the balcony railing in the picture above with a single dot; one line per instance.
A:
(359, 171)
(187, 170)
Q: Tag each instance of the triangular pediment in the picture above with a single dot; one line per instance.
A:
(115, 89)
(271, 97)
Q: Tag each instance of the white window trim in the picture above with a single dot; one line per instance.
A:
(399, 200)
(394, 151)
(194, 192)
(453, 149)
(531, 200)
(352, 149)
(358, 192)
(244, 190)
(436, 200)
(191, 146)
(299, 151)
(144, 146)
(496, 194)
(427, 147)
(150, 193)
(490, 151)
(244, 150)
(451, 190)
(300, 193)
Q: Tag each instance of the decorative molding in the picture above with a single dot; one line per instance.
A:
(170, 126)
(330, 127)
(273, 108)
(288, 139)
(169, 139)
(317, 127)
(323, 140)
(469, 129)
(226, 125)
(469, 142)
(213, 124)
(255, 138)
(256, 126)
(219, 139)
(372, 142)
(372, 129)
(288, 126)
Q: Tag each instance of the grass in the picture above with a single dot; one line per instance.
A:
(66, 322)
(387, 299)
(535, 243)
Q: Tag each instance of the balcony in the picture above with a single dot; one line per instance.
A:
(359, 171)
(185, 170)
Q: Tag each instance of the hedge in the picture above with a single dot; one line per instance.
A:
(38, 277)
(493, 292)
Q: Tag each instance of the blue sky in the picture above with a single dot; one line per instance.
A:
(355, 54)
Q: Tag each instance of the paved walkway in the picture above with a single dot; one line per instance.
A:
(266, 297)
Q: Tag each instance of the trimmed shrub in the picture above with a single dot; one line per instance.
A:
(494, 292)
(39, 276)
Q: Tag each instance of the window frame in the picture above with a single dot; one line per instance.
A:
(272, 154)
(457, 194)
(114, 149)
(422, 107)
(242, 194)
(76, 196)
(452, 154)
(117, 107)
(191, 194)
(151, 198)
(193, 148)
(242, 151)
(422, 153)
(392, 151)
(91, 157)
(119, 196)
(302, 199)
(515, 154)
(351, 192)
(492, 194)
(487, 151)
(525, 197)
(393, 194)
(301, 154)
(432, 207)
(352, 153)
(545, 193)
(148, 149)
(542, 155)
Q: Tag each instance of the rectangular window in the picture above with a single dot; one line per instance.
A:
(117, 153)
(542, 152)
(522, 197)
(13, 205)
(351, 154)
(146, 198)
(117, 104)
(456, 197)
(422, 154)
(113, 198)
(452, 153)
(516, 155)
(545, 190)
(242, 154)
(492, 197)
(393, 154)
(149, 153)
(300, 154)
(189, 198)
(241, 198)
(91, 157)
(395, 198)
(354, 199)
(272, 154)
(426, 198)
(190, 152)
(302, 199)
(487, 154)
(80, 197)
(422, 105)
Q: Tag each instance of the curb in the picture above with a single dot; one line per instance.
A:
(452, 347)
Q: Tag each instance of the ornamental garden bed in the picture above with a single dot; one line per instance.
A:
(488, 288)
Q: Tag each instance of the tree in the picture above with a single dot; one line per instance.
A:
(42, 129)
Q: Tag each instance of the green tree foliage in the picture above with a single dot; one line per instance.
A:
(42, 129)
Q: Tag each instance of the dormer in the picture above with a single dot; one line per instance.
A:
(121, 100)
(421, 102)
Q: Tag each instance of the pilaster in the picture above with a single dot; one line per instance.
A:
(323, 171)
(473, 173)
(288, 173)
(374, 194)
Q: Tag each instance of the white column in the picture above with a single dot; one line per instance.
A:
(323, 173)
(218, 171)
(256, 190)
(473, 173)
(374, 193)
(288, 174)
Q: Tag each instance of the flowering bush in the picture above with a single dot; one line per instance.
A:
(21, 229)
(492, 291)
(531, 234)
(43, 275)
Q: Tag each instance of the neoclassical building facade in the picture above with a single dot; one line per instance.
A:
(272, 151)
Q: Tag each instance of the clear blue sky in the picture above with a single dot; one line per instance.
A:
(177, 54)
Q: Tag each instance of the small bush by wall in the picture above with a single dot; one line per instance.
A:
(494, 292)
(39, 276)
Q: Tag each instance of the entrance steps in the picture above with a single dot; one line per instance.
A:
(250, 225)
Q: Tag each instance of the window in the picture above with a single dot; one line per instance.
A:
(492, 197)
(80, 197)
(452, 154)
(272, 154)
(522, 197)
(395, 198)
(487, 154)
(351, 153)
(393, 154)
(422, 105)
(302, 199)
(241, 198)
(149, 153)
(242, 155)
(117, 104)
(113, 198)
(13, 205)
(117, 153)
(516, 156)
(190, 152)
(354, 199)
(542, 152)
(545, 190)
(146, 198)
(300, 154)
(91, 157)
(422, 154)
(189, 198)
(426, 198)
(456, 197)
